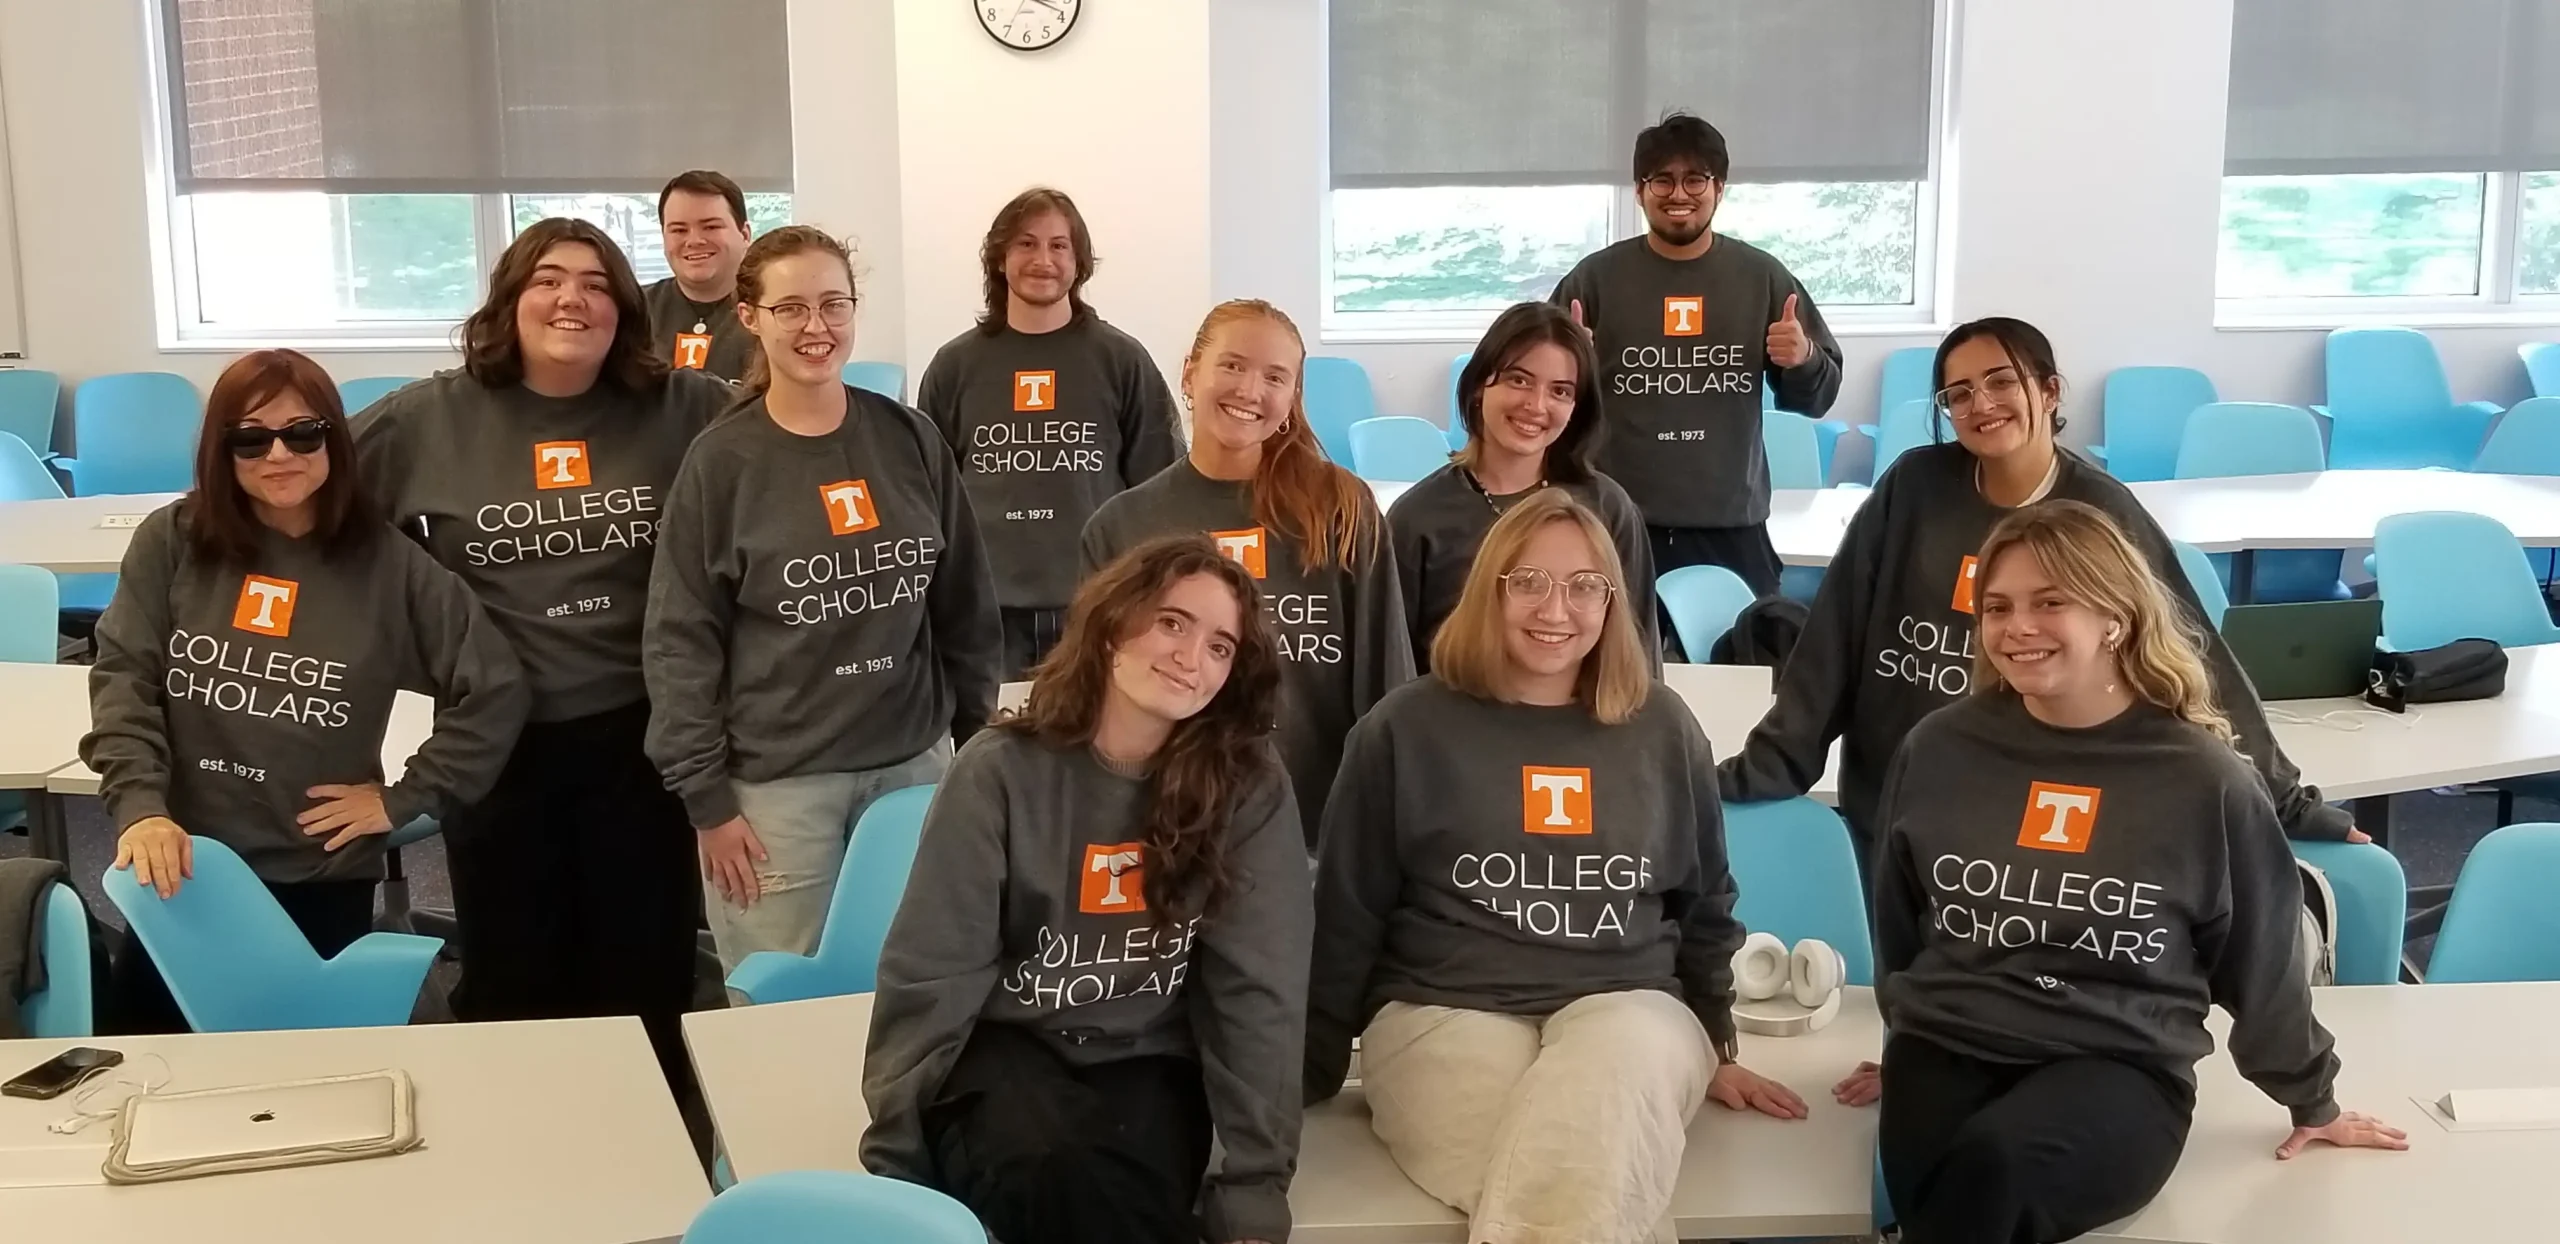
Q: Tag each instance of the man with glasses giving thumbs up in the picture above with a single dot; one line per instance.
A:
(1688, 326)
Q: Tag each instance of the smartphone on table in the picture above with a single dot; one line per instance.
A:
(56, 1075)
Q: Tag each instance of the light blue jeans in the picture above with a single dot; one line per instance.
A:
(804, 823)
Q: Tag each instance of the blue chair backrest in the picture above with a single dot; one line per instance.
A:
(1794, 449)
(2447, 575)
(831, 1207)
(64, 1007)
(1797, 876)
(22, 476)
(2501, 924)
(2373, 907)
(1907, 427)
(2526, 440)
(869, 887)
(135, 432)
(2385, 371)
(27, 402)
(2541, 366)
(2146, 414)
(30, 613)
(1338, 395)
(889, 380)
(2206, 579)
(1910, 375)
(2249, 438)
(1457, 423)
(1703, 601)
(1397, 448)
(364, 391)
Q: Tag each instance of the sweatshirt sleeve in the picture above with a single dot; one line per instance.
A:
(685, 653)
(2299, 807)
(1248, 1005)
(961, 601)
(1381, 635)
(1359, 875)
(1791, 746)
(1899, 904)
(1404, 535)
(1703, 905)
(937, 964)
(1148, 443)
(2254, 957)
(1577, 287)
(1635, 553)
(479, 690)
(937, 395)
(128, 739)
(1808, 388)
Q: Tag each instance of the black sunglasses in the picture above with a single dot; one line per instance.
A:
(249, 441)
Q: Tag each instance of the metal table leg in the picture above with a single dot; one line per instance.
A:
(47, 836)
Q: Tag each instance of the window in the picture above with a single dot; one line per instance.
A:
(338, 171)
(2390, 159)
(1479, 151)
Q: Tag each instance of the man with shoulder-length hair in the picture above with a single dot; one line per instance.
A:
(1051, 411)
(693, 315)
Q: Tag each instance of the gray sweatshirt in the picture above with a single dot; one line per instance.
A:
(1341, 630)
(548, 509)
(2050, 893)
(1027, 906)
(679, 324)
(1444, 880)
(1440, 522)
(1047, 427)
(820, 604)
(1890, 639)
(1684, 349)
(222, 693)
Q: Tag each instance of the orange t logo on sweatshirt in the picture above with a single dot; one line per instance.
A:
(1244, 548)
(1965, 576)
(1114, 880)
(849, 507)
(1555, 801)
(266, 606)
(560, 464)
(2059, 818)
(1684, 316)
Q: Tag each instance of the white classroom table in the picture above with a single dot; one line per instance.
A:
(47, 710)
(1804, 523)
(561, 1131)
(66, 536)
(784, 1084)
(2396, 1042)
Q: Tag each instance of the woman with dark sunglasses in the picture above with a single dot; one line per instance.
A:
(246, 667)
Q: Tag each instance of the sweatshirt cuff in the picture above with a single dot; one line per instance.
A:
(402, 804)
(711, 803)
(2317, 1114)
(1246, 1211)
(2320, 822)
(137, 804)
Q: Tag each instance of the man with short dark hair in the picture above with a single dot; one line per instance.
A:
(1689, 325)
(1050, 410)
(693, 315)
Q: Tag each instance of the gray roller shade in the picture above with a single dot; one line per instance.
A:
(2393, 86)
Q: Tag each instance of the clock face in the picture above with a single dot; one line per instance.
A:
(1027, 25)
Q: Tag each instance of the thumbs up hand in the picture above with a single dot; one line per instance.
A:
(1578, 321)
(1788, 346)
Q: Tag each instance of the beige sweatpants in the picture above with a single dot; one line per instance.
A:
(1563, 1130)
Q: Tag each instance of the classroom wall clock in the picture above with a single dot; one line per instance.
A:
(1027, 25)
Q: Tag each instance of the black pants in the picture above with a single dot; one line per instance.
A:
(331, 914)
(575, 886)
(1746, 551)
(1996, 1153)
(1044, 1152)
(1029, 634)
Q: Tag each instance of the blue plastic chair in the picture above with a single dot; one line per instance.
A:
(1397, 448)
(2373, 907)
(27, 402)
(1703, 601)
(236, 963)
(1907, 427)
(30, 611)
(2229, 439)
(65, 1006)
(1456, 424)
(2206, 580)
(22, 478)
(1794, 448)
(2448, 575)
(134, 432)
(1338, 395)
(364, 391)
(889, 380)
(1910, 375)
(831, 1207)
(2146, 417)
(868, 888)
(2389, 405)
(2527, 442)
(2501, 924)
(2541, 367)
(1798, 878)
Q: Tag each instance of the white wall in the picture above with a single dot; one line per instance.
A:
(844, 153)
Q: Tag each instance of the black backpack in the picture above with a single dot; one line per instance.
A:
(1763, 633)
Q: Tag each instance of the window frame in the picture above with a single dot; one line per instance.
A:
(1929, 262)
(2497, 302)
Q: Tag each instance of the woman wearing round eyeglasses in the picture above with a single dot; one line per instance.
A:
(1891, 637)
(1523, 907)
(822, 621)
(246, 667)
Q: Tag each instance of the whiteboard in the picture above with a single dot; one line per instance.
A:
(13, 300)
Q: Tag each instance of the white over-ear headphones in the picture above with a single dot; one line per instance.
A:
(1782, 993)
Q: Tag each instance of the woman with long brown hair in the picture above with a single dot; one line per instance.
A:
(535, 472)
(246, 667)
(1100, 960)
(821, 623)
(1524, 910)
(2077, 864)
(1306, 529)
